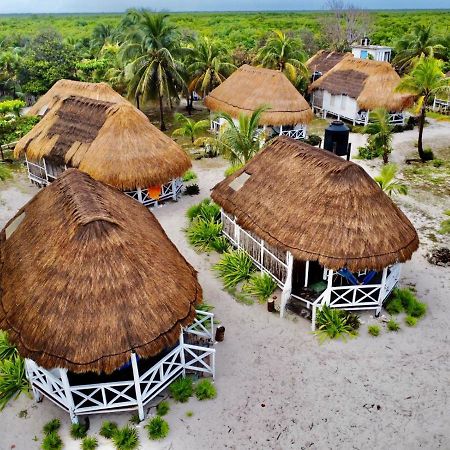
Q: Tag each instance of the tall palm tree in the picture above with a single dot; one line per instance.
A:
(420, 41)
(380, 131)
(388, 182)
(283, 53)
(425, 80)
(190, 128)
(101, 35)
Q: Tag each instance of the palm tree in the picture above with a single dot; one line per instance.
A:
(388, 182)
(425, 80)
(420, 41)
(190, 128)
(208, 65)
(380, 131)
(101, 35)
(283, 53)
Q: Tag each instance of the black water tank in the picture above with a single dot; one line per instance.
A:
(336, 138)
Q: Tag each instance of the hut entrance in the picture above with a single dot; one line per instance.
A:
(305, 276)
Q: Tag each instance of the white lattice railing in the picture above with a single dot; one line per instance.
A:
(397, 118)
(169, 191)
(294, 134)
(361, 117)
(203, 325)
(215, 126)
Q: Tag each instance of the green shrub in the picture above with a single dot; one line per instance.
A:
(261, 286)
(220, 244)
(428, 154)
(107, 429)
(52, 441)
(89, 443)
(189, 175)
(205, 390)
(313, 139)
(189, 413)
(204, 235)
(13, 381)
(394, 306)
(374, 330)
(181, 389)
(232, 169)
(11, 106)
(78, 431)
(5, 172)
(445, 224)
(352, 320)
(7, 350)
(206, 210)
(411, 321)
(409, 301)
(134, 419)
(234, 267)
(332, 324)
(157, 428)
(125, 438)
(163, 408)
(392, 325)
(438, 162)
(192, 189)
(50, 427)
(369, 152)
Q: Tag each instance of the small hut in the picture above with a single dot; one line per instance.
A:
(98, 299)
(106, 137)
(319, 225)
(323, 61)
(354, 87)
(248, 88)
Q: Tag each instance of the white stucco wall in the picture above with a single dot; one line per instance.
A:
(340, 105)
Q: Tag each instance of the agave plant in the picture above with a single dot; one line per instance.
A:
(12, 379)
(332, 324)
(234, 267)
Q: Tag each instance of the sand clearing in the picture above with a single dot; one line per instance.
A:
(277, 388)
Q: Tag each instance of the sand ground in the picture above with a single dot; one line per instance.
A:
(279, 389)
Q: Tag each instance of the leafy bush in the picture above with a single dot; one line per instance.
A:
(181, 389)
(352, 320)
(428, 154)
(392, 325)
(411, 321)
(107, 429)
(50, 427)
(234, 267)
(205, 210)
(7, 350)
(394, 306)
(220, 244)
(192, 189)
(232, 169)
(157, 428)
(438, 163)
(205, 390)
(189, 176)
(78, 431)
(12, 379)
(332, 324)
(374, 330)
(12, 130)
(409, 301)
(89, 443)
(313, 139)
(125, 438)
(5, 172)
(52, 441)
(369, 152)
(11, 106)
(261, 286)
(204, 235)
(163, 408)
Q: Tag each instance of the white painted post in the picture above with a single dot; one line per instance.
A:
(380, 295)
(287, 285)
(237, 233)
(366, 122)
(281, 130)
(45, 170)
(306, 273)
(139, 194)
(213, 357)
(68, 394)
(262, 256)
(182, 356)
(137, 386)
(174, 190)
(28, 372)
(313, 318)
(329, 287)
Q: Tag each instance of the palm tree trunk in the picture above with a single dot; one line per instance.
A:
(385, 156)
(161, 114)
(421, 125)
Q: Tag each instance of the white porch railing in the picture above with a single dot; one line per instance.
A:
(294, 134)
(169, 191)
(362, 117)
(215, 127)
(441, 104)
(397, 118)
(203, 325)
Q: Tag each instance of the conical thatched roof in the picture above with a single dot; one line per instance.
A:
(319, 207)
(66, 88)
(113, 142)
(371, 83)
(323, 61)
(87, 275)
(249, 87)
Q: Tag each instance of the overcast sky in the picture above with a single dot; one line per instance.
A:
(61, 6)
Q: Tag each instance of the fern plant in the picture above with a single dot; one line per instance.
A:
(157, 428)
(125, 438)
(234, 267)
(7, 350)
(261, 286)
(332, 324)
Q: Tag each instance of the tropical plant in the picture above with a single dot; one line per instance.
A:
(332, 324)
(157, 428)
(181, 389)
(410, 304)
(89, 443)
(220, 244)
(135, 419)
(51, 426)
(374, 330)
(352, 319)
(380, 132)
(411, 321)
(204, 390)
(78, 431)
(52, 441)
(202, 233)
(107, 429)
(125, 438)
(13, 381)
(11, 106)
(162, 408)
(392, 325)
(235, 266)
(425, 81)
(261, 285)
(388, 182)
(232, 169)
(7, 350)
(394, 306)
(205, 210)
(189, 175)
(192, 189)
(190, 128)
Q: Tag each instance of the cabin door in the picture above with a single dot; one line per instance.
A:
(298, 275)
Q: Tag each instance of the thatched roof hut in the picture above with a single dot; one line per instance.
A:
(371, 83)
(113, 142)
(66, 88)
(323, 61)
(249, 87)
(317, 206)
(88, 275)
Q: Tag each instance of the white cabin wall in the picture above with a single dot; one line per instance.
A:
(340, 105)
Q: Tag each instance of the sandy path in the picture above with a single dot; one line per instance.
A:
(278, 389)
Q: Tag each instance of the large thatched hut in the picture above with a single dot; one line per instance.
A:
(90, 127)
(354, 87)
(101, 315)
(319, 225)
(248, 88)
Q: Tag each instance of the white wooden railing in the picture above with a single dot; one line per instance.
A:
(215, 127)
(294, 134)
(362, 117)
(203, 325)
(43, 173)
(169, 191)
(397, 118)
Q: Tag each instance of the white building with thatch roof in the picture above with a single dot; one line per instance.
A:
(366, 50)
(90, 127)
(354, 87)
(249, 88)
(319, 225)
(105, 319)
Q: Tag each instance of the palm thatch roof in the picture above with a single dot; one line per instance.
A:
(112, 141)
(66, 88)
(249, 87)
(318, 206)
(88, 275)
(323, 60)
(371, 83)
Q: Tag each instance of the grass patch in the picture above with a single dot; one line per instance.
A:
(157, 428)
(445, 224)
(78, 431)
(189, 175)
(392, 325)
(432, 176)
(125, 438)
(411, 321)
(261, 286)
(89, 443)
(205, 210)
(232, 169)
(234, 267)
(438, 116)
(405, 300)
(182, 389)
(374, 330)
(333, 324)
(51, 426)
(162, 408)
(52, 441)
(189, 413)
(204, 390)
(107, 429)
